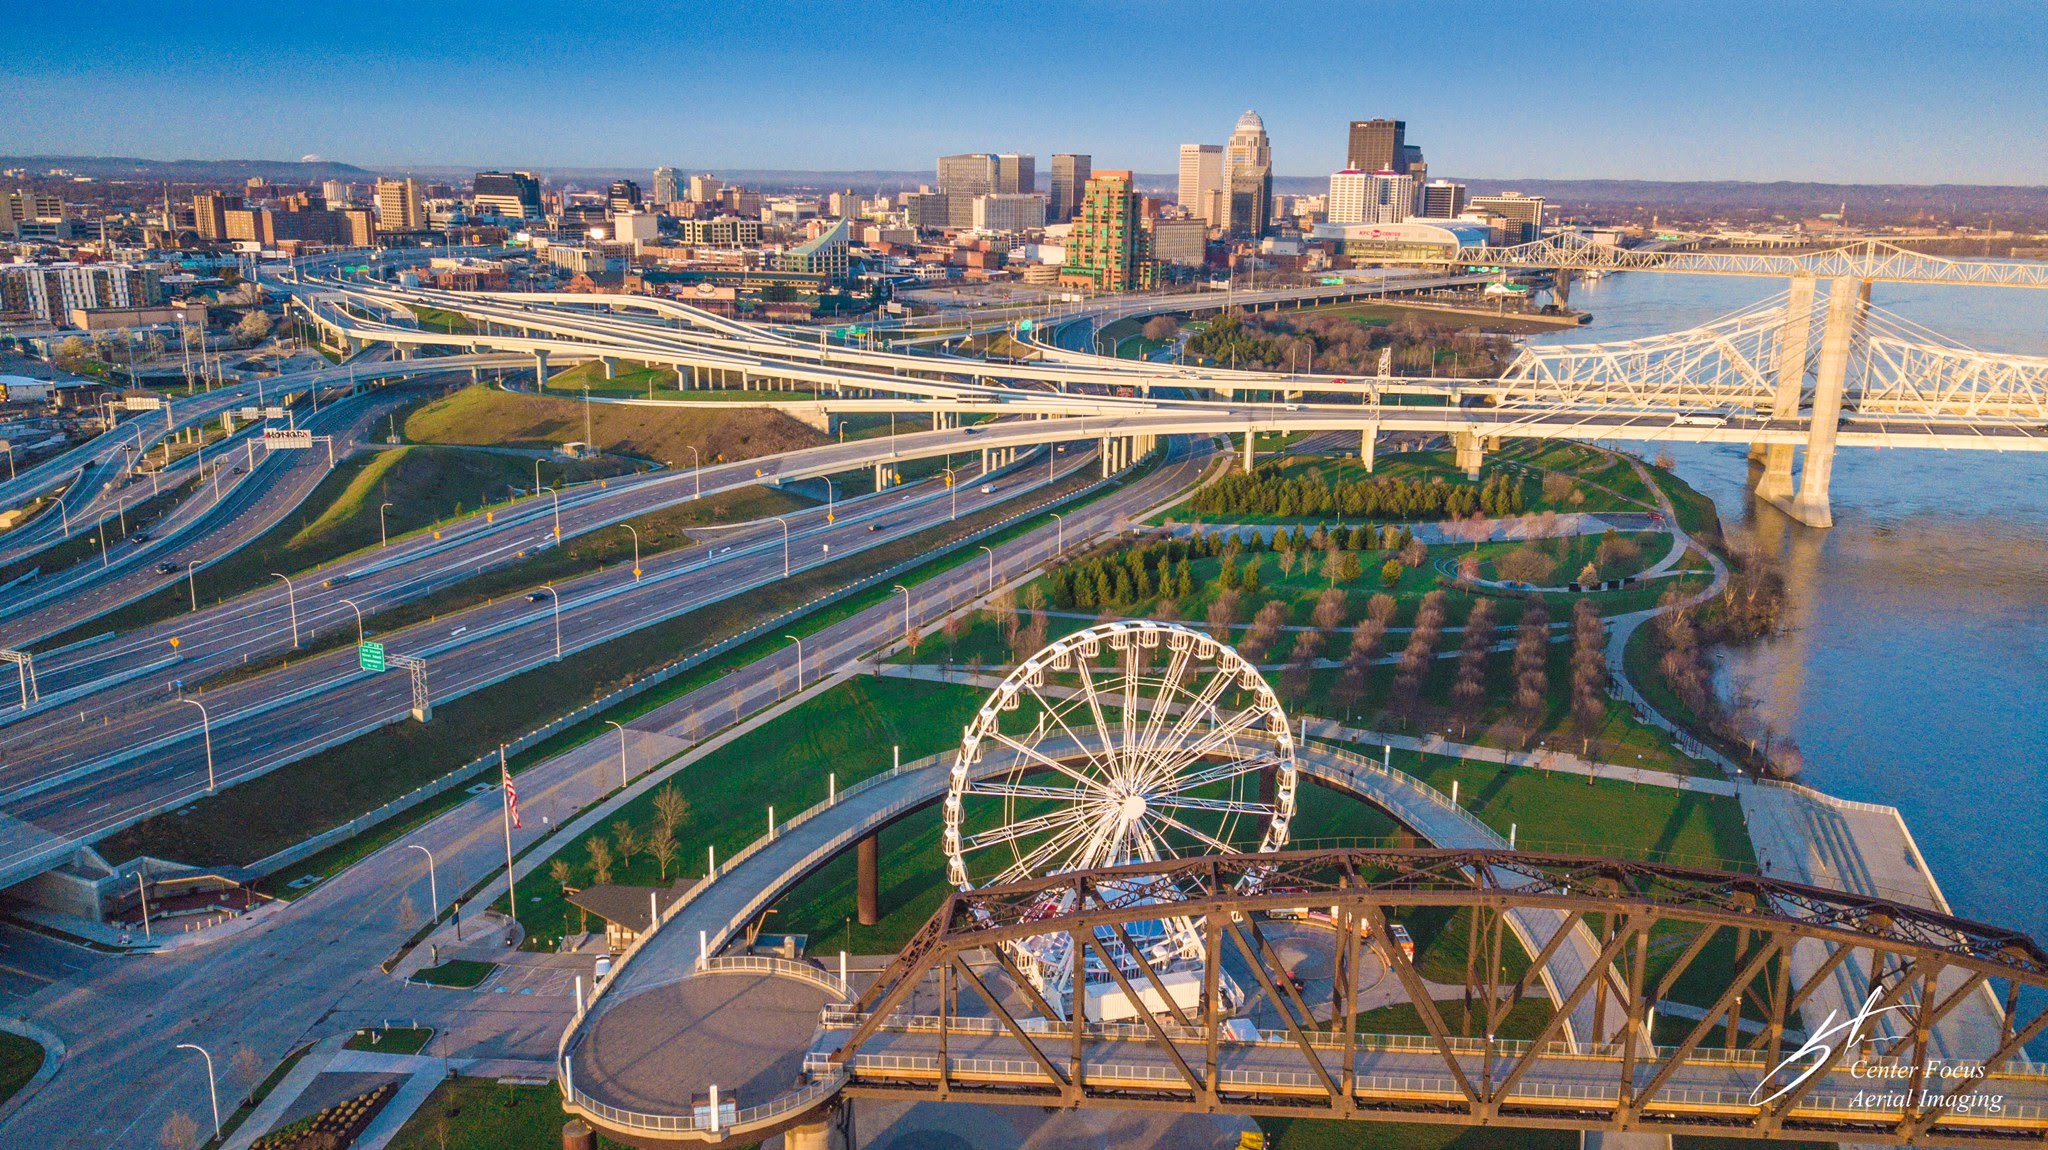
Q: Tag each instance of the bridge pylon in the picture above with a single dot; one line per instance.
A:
(1847, 300)
(1775, 483)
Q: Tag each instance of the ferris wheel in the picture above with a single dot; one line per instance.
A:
(1127, 742)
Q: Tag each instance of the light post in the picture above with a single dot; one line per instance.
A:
(799, 660)
(785, 543)
(206, 732)
(192, 581)
(65, 513)
(359, 620)
(558, 511)
(556, 596)
(697, 469)
(1059, 528)
(636, 550)
(433, 888)
(102, 533)
(906, 609)
(586, 414)
(383, 533)
(991, 568)
(536, 477)
(291, 596)
(622, 750)
(211, 1090)
(953, 489)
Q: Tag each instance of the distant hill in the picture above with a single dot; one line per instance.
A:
(190, 171)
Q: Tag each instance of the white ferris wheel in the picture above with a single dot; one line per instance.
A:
(1127, 742)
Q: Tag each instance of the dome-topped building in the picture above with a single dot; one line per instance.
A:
(1248, 177)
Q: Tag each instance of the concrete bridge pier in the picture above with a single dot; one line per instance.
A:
(881, 476)
(1471, 451)
(1846, 301)
(476, 375)
(1775, 484)
(1250, 446)
(867, 883)
(540, 367)
(1368, 440)
(611, 366)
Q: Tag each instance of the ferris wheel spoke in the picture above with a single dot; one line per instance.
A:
(1033, 791)
(1106, 768)
(1093, 785)
(1205, 703)
(1215, 773)
(1180, 803)
(1169, 687)
(1011, 832)
(1201, 836)
(1029, 865)
(1211, 740)
(1095, 708)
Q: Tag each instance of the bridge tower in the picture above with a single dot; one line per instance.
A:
(1775, 483)
(1847, 301)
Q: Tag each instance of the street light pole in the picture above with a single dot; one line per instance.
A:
(557, 597)
(433, 888)
(102, 533)
(906, 609)
(799, 660)
(359, 620)
(383, 533)
(291, 596)
(636, 550)
(1059, 528)
(558, 511)
(622, 751)
(192, 581)
(991, 568)
(206, 732)
(785, 543)
(952, 488)
(536, 476)
(211, 1090)
(697, 469)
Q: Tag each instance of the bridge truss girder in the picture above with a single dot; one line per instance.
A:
(1860, 260)
(1779, 945)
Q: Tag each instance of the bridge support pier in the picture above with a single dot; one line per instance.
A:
(1775, 484)
(881, 476)
(1250, 439)
(1811, 506)
(540, 368)
(1368, 441)
(611, 366)
(867, 883)
(1471, 451)
(818, 1136)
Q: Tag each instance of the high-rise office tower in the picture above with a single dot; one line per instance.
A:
(1016, 175)
(515, 195)
(1442, 200)
(1370, 198)
(705, 188)
(210, 213)
(1201, 182)
(668, 185)
(1522, 215)
(1378, 146)
(1070, 171)
(624, 196)
(400, 208)
(1107, 250)
(335, 192)
(968, 174)
(1248, 176)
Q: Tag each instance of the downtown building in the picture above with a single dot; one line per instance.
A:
(1441, 200)
(1520, 217)
(1107, 249)
(1370, 198)
(1201, 184)
(1248, 178)
(668, 186)
(511, 195)
(1005, 212)
(1070, 172)
(51, 292)
(400, 207)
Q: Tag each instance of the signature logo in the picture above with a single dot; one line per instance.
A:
(1820, 1048)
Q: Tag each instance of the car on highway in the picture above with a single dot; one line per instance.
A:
(988, 489)
(167, 568)
(972, 430)
(536, 596)
(139, 537)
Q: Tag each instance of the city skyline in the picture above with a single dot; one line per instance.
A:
(1742, 95)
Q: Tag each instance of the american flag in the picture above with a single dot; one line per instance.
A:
(511, 795)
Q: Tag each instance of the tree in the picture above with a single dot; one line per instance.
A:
(1294, 682)
(600, 862)
(663, 846)
(1331, 607)
(253, 327)
(563, 874)
(671, 809)
(1413, 666)
(1470, 686)
(1617, 555)
(179, 1132)
(1222, 616)
(1391, 572)
(408, 913)
(1265, 631)
(1380, 608)
(626, 837)
(71, 350)
(1532, 666)
(244, 1069)
(1287, 560)
(1161, 328)
(1589, 672)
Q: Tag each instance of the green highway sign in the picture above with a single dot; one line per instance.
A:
(1024, 325)
(371, 656)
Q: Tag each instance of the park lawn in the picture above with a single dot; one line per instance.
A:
(1696, 513)
(425, 487)
(1332, 1134)
(1594, 466)
(481, 415)
(393, 1040)
(846, 731)
(631, 379)
(456, 974)
(20, 1058)
(480, 1114)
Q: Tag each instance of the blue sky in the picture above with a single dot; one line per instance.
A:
(1862, 92)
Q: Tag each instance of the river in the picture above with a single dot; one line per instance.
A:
(1914, 671)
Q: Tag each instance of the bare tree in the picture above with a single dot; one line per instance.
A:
(244, 1070)
(1331, 607)
(1265, 631)
(179, 1132)
(671, 808)
(1470, 686)
(1222, 617)
(1589, 672)
(663, 846)
(1381, 608)
(1413, 667)
(600, 862)
(626, 837)
(1532, 666)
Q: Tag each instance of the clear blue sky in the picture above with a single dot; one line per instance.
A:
(1852, 92)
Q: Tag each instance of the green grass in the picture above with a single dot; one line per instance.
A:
(457, 974)
(481, 415)
(1331, 1134)
(479, 1114)
(439, 319)
(394, 1040)
(847, 730)
(20, 1058)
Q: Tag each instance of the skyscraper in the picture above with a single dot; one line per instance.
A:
(399, 206)
(512, 194)
(1248, 174)
(1378, 146)
(1070, 171)
(705, 187)
(1442, 200)
(1107, 249)
(624, 196)
(1016, 175)
(1201, 182)
(969, 174)
(668, 185)
(1522, 216)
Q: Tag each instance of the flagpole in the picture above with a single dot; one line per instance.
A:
(511, 885)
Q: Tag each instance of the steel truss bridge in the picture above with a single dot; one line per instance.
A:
(1807, 370)
(1754, 1062)
(1865, 260)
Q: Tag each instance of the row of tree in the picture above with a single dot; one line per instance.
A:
(1305, 495)
(1346, 345)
